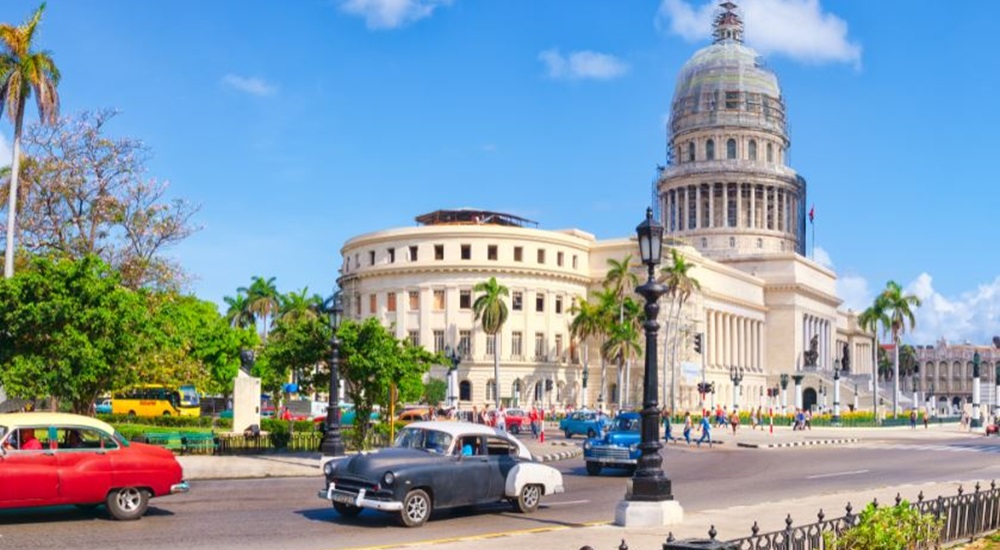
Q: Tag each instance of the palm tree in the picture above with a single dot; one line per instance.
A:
(238, 314)
(299, 305)
(622, 282)
(621, 345)
(22, 71)
(870, 320)
(607, 310)
(263, 300)
(492, 309)
(896, 307)
(587, 322)
(680, 285)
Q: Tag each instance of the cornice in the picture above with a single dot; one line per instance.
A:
(486, 271)
(799, 288)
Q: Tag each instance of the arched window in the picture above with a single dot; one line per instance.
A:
(539, 391)
(515, 391)
(770, 153)
(710, 150)
(691, 152)
(752, 150)
(731, 149)
(465, 390)
(490, 391)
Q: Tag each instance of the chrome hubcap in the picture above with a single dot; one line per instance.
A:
(416, 509)
(128, 499)
(531, 495)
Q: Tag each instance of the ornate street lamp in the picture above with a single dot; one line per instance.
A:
(333, 445)
(649, 487)
(976, 422)
(736, 375)
(836, 391)
(784, 392)
(455, 358)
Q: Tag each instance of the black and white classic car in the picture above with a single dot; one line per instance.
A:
(434, 465)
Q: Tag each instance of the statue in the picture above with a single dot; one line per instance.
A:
(996, 342)
(246, 360)
(812, 354)
(845, 361)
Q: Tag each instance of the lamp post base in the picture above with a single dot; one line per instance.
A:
(632, 513)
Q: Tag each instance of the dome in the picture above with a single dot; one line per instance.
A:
(725, 67)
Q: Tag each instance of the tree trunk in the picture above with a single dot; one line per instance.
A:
(895, 373)
(15, 174)
(496, 372)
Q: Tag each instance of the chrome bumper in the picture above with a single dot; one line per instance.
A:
(359, 500)
(181, 487)
(610, 460)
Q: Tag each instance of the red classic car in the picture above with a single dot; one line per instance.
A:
(49, 459)
(516, 421)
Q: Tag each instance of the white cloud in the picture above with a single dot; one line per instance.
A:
(822, 257)
(250, 85)
(854, 291)
(6, 155)
(798, 29)
(391, 14)
(582, 64)
(974, 315)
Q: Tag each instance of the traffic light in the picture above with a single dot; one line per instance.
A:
(697, 343)
(711, 387)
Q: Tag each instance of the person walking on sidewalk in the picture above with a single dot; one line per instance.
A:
(924, 416)
(667, 433)
(687, 427)
(706, 431)
(734, 421)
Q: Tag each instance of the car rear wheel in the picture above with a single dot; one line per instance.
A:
(127, 503)
(347, 510)
(593, 468)
(131, 414)
(515, 429)
(591, 432)
(569, 434)
(527, 501)
(416, 508)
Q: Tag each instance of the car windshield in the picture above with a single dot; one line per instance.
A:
(420, 438)
(117, 436)
(626, 424)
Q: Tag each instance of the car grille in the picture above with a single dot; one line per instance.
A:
(613, 453)
(353, 484)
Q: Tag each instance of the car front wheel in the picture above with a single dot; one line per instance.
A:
(593, 468)
(416, 508)
(346, 510)
(591, 433)
(515, 429)
(127, 503)
(527, 501)
(569, 434)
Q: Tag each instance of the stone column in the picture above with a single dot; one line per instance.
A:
(798, 390)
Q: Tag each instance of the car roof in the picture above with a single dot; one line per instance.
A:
(14, 420)
(456, 428)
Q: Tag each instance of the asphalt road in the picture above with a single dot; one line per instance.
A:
(285, 512)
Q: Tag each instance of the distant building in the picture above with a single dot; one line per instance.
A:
(946, 373)
(731, 206)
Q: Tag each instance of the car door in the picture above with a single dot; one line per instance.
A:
(470, 472)
(84, 465)
(501, 455)
(28, 477)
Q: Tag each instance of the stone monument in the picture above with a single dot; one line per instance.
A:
(246, 395)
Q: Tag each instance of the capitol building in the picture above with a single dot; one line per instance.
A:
(730, 204)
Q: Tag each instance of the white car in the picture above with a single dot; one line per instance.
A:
(438, 464)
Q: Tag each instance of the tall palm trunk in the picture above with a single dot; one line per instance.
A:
(602, 395)
(15, 173)
(667, 363)
(496, 372)
(586, 367)
(895, 373)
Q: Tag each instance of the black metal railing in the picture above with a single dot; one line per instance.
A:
(964, 517)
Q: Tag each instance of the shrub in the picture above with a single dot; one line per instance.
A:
(899, 527)
(278, 432)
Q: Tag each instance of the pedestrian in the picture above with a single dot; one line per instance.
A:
(502, 418)
(808, 419)
(706, 431)
(533, 419)
(475, 415)
(913, 419)
(687, 427)
(667, 435)
(923, 415)
(754, 414)
(734, 421)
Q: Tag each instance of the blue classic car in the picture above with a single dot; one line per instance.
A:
(587, 423)
(619, 448)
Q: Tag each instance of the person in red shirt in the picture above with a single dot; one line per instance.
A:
(29, 442)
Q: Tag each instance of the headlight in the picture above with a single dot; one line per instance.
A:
(633, 446)
(328, 468)
(389, 478)
(587, 445)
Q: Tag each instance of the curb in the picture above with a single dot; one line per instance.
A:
(798, 443)
(561, 455)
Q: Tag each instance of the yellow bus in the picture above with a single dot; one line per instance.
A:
(157, 400)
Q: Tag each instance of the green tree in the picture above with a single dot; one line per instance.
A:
(298, 345)
(897, 307)
(908, 363)
(680, 285)
(621, 281)
(870, 320)
(896, 527)
(23, 71)
(263, 301)
(71, 331)
(372, 360)
(607, 312)
(622, 344)
(238, 311)
(299, 304)
(588, 322)
(491, 309)
(435, 391)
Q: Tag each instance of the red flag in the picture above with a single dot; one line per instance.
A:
(812, 213)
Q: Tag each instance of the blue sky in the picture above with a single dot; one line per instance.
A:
(298, 125)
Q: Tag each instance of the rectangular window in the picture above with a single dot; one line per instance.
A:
(414, 337)
(390, 302)
(392, 255)
(559, 259)
(357, 261)
(539, 302)
(517, 300)
(371, 257)
(372, 303)
(413, 253)
(541, 255)
(559, 347)
(438, 341)
(414, 296)
(465, 344)
(491, 252)
(491, 345)
(466, 251)
(438, 300)
(465, 299)
(732, 100)
(439, 252)
(575, 263)
(357, 305)
(518, 254)
(559, 304)
(539, 346)
(516, 344)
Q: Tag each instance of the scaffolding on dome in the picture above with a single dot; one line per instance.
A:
(470, 216)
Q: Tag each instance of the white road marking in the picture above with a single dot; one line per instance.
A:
(854, 473)
(566, 502)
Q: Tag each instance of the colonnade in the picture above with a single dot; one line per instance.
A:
(734, 340)
(745, 205)
(820, 327)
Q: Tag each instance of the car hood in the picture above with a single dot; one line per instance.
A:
(373, 465)
(621, 438)
(151, 450)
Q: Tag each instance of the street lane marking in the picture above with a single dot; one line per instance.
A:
(564, 503)
(854, 473)
(483, 536)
